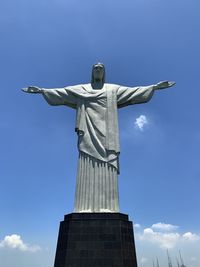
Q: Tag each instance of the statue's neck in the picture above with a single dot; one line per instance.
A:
(97, 84)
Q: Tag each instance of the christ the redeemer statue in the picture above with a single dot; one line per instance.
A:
(96, 107)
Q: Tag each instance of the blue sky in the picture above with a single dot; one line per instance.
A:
(53, 44)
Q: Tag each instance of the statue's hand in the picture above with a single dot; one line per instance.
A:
(32, 89)
(163, 85)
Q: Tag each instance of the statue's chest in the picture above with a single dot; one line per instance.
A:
(96, 103)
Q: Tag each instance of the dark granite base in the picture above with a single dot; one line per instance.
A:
(96, 240)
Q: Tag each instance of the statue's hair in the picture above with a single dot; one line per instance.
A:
(104, 72)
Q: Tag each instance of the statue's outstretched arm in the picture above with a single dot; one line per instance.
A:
(141, 94)
(163, 85)
(56, 96)
(33, 90)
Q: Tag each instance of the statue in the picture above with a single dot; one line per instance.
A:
(96, 107)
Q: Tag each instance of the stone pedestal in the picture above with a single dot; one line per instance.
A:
(96, 240)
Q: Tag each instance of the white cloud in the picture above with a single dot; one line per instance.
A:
(164, 240)
(141, 121)
(164, 227)
(160, 235)
(15, 242)
(191, 237)
(137, 225)
(153, 241)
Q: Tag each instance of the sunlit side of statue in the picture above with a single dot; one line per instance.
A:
(96, 105)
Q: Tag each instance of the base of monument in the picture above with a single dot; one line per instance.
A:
(96, 240)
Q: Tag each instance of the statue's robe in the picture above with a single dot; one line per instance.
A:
(98, 139)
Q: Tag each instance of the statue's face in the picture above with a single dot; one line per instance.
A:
(98, 71)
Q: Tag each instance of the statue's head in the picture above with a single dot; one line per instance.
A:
(98, 72)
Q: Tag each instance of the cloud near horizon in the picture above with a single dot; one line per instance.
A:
(14, 241)
(137, 225)
(165, 236)
(164, 227)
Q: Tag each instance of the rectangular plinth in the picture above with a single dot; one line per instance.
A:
(96, 240)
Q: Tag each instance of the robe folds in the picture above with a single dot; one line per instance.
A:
(98, 135)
